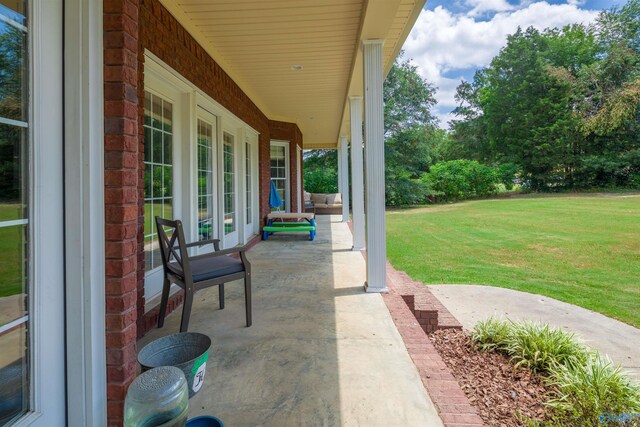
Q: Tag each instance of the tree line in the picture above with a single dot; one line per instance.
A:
(555, 110)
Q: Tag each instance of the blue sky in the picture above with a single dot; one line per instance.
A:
(453, 38)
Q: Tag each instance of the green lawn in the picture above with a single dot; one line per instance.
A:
(11, 249)
(584, 250)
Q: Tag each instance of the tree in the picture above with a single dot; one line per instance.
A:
(563, 105)
(321, 171)
(409, 128)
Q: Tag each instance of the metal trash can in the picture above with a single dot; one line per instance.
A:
(188, 351)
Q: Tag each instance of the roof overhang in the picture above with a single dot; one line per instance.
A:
(258, 42)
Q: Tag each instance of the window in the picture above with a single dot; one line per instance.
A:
(205, 219)
(279, 172)
(229, 183)
(158, 172)
(247, 180)
(14, 210)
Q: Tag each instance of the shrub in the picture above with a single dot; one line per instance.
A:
(491, 333)
(403, 190)
(507, 174)
(460, 179)
(593, 393)
(538, 346)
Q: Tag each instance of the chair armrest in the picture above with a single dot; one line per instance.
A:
(234, 250)
(214, 242)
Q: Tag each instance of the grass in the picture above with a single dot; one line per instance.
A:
(584, 250)
(11, 239)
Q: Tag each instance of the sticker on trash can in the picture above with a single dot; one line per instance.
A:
(199, 370)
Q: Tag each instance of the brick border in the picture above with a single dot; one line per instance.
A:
(415, 311)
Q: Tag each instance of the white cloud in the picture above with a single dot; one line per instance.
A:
(444, 42)
(478, 7)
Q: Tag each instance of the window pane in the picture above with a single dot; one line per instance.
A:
(13, 156)
(158, 174)
(204, 145)
(229, 184)
(156, 147)
(279, 172)
(247, 183)
(14, 226)
(13, 57)
(147, 145)
(13, 373)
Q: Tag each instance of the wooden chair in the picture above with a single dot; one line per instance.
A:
(193, 273)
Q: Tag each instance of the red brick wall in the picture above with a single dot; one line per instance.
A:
(121, 198)
(288, 132)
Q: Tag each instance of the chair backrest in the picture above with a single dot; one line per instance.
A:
(169, 233)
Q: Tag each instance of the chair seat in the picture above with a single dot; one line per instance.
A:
(210, 267)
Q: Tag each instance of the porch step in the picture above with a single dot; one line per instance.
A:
(430, 313)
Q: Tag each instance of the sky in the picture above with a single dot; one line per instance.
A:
(453, 38)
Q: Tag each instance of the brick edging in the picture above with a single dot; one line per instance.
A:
(452, 404)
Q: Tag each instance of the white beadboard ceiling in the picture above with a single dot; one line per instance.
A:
(258, 41)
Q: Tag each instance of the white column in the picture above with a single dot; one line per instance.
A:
(374, 148)
(339, 159)
(344, 156)
(357, 173)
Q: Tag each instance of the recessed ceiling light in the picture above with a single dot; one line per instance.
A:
(296, 67)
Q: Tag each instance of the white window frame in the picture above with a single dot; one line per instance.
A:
(299, 176)
(209, 118)
(166, 86)
(287, 168)
(251, 225)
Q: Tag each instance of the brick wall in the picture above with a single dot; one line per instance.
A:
(121, 198)
(288, 132)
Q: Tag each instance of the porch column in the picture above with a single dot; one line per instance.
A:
(344, 177)
(357, 172)
(374, 140)
(339, 159)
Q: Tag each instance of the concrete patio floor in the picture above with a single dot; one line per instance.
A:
(321, 351)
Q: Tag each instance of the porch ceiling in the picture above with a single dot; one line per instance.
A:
(257, 42)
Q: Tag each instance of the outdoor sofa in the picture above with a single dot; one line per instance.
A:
(323, 203)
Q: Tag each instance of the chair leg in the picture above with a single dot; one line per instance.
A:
(163, 302)
(247, 297)
(221, 295)
(186, 309)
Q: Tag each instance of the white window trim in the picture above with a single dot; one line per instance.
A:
(287, 169)
(84, 186)
(299, 176)
(163, 88)
(209, 118)
(252, 229)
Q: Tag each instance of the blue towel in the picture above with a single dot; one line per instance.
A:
(275, 201)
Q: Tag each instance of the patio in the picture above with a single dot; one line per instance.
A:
(321, 351)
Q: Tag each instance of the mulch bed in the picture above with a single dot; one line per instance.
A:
(497, 390)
